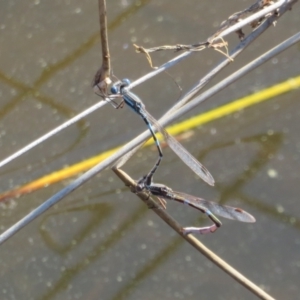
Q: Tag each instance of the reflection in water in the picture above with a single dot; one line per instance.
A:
(60, 108)
(51, 70)
(269, 145)
(71, 272)
(100, 213)
(151, 265)
(97, 214)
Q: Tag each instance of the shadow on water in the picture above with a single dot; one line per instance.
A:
(69, 273)
(98, 213)
(269, 145)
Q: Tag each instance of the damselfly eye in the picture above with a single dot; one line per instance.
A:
(114, 90)
(126, 82)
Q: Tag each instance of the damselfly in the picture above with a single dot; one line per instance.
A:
(136, 104)
(207, 207)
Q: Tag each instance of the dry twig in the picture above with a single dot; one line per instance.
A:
(128, 181)
(237, 17)
(226, 25)
(102, 79)
(169, 117)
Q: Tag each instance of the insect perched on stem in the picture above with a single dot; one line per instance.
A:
(209, 208)
(136, 104)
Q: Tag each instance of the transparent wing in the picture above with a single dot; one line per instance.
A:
(224, 211)
(183, 154)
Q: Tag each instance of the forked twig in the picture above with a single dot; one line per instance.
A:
(261, 10)
(128, 181)
(217, 69)
(237, 17)
(283, 5)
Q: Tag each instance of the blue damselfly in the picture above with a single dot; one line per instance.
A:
(136, 104)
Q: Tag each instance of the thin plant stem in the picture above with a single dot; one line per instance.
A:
(140, 139)
(205, 80)
(259, 12)
(219, 262)
(285, 5)
(234, 77)
(52, 132)
(162, 68)
(102, 79)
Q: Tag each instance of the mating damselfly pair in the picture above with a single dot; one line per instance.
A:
(120, 89)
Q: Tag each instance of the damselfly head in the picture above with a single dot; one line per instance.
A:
(124, 83)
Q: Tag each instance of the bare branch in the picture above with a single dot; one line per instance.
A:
(128, 181)
(102, 79)
(261, 10)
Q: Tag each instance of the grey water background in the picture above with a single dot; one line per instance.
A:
(101, 242)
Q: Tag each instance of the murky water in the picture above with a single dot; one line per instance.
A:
(101, 242)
